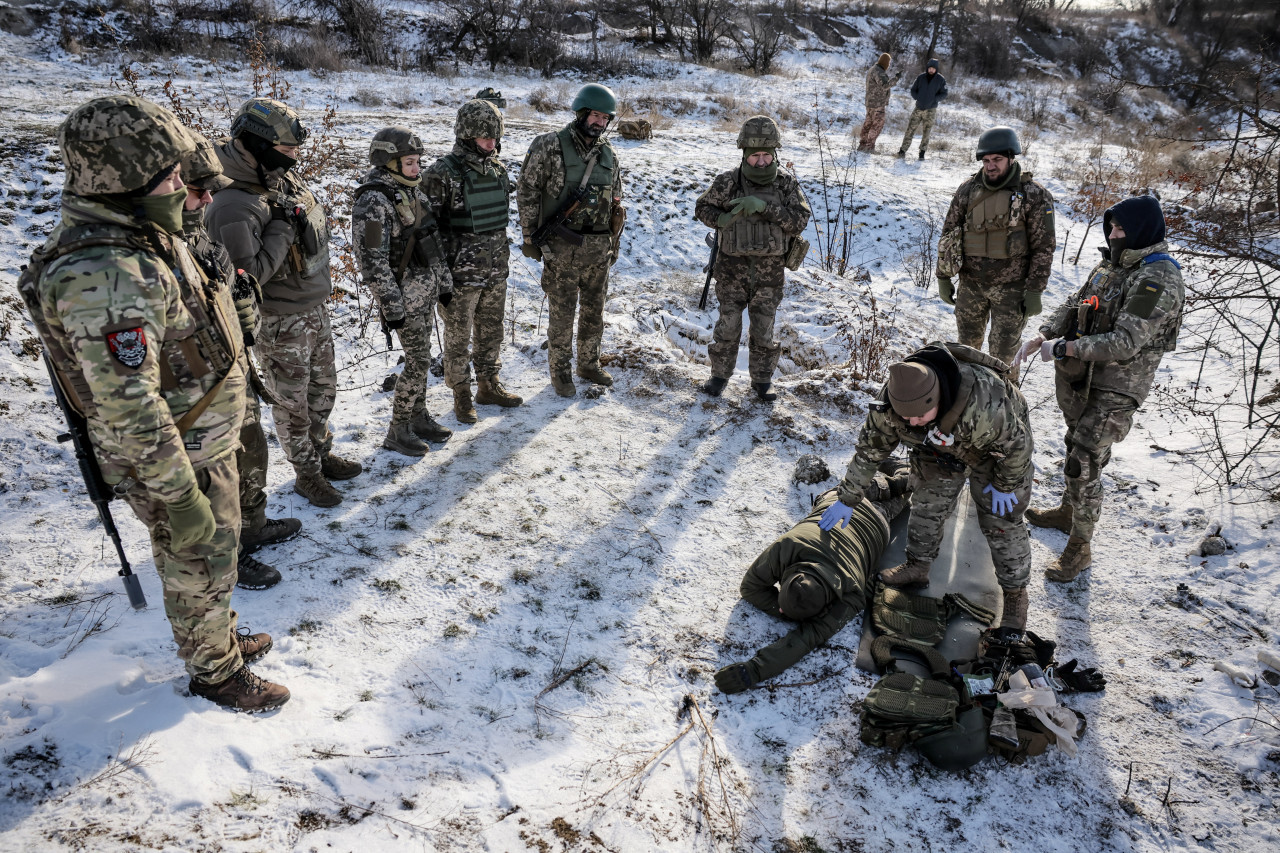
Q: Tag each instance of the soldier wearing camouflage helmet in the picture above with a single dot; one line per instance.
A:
(276, 230)
(401, 254)
(757, 211)
(149, 352)
(1106, 343)
(962, 420)
(575, 272)
(202, 173)
(469, 192)
(999, 238)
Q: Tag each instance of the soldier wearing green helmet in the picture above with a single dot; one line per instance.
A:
(144, 349)
(576, 259)
(469, 192)
(276, 230)
(757, 212)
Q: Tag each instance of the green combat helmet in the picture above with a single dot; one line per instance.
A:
(759, 132)
(201, 168)
(118, 144)
(478, 119)
(595, 97)
(392, 143)
(493, 96)
(271, 120)
(999, 140)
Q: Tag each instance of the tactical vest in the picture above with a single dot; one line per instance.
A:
(592, 215)
(484, 195)
(1112, 289)
(995, 224)
(306, 261)
(413, 219)
(754, 236)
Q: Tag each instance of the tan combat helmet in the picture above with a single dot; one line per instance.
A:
(268, 119)
(119, 144)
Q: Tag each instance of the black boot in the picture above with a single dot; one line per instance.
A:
(251, 574)
(275, 530)
(764, 391)
(713, 386)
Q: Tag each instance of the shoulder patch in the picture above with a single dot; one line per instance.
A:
(878, 406)
(1143, 299)
(128, 346)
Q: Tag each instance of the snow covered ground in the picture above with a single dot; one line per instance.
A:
(509, 644)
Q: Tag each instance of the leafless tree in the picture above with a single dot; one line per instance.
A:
(761, 36)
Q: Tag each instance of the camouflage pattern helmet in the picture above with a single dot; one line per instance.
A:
(201, 167)
(392, 143)
(595, 97)
(478, 119)
(999, 140)
(118, 144)
(760, 132)
(271, 120)
(493, 96)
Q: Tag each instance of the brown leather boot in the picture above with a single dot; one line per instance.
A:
(1076, 557)
(252, 646)
(334, 467)
(597, 374)
(463, 408)
(1015, 609)
(1059, 518)
(489, 392)
(243, 691)
(913, 574)
(316, 489)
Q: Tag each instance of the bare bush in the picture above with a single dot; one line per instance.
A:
(708, 23)
(313, 50)
(918, 252)
(833, 214)
(761, 37)
(362, 21)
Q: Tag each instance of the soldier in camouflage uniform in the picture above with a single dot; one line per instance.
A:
(999, 237)
(879, 85)
(276, 231)
(963, 420)
(202, 173)
(148, 351)
(818, 580)
(576, 259)
(1106, 343)
(468, 190)
(401, 253)
(930, 88)
(757, 211)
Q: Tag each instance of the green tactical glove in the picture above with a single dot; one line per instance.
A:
(946, 290)
(723, 220)
(531, 251)
(748, 205)
(1031, 303)
(190, 521)
(735, 678)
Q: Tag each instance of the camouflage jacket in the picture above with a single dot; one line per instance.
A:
(543, 174)
(1139, 314)
(380, 232)
(789, 209)
(474, 259)
(279, 234)
(844, 557)
(1032, 207)
(149, 337)
(987, 423)
(879, 85)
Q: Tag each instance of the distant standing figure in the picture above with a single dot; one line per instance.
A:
(929, 88)
(879, 84)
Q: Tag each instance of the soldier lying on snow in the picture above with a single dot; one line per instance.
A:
(818, 579)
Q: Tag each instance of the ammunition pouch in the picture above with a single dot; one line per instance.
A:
(902, 708)
(796, 253)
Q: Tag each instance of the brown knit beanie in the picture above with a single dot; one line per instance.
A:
(913, 389)
(884, 61)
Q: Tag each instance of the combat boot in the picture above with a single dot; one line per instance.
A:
(428, 428)
(402, 440)
(463, 408)
(562, 381)
(597, 374)
(901, 155)
(243, 691)
(252, 646)
(1016, 602)
(334, 467)
(489, 392)
(253, 574)
(1059, 518)
(764, 390)
(713, 386)
(316, 489)
(1076, 557)
(913, 574)
(274, 531)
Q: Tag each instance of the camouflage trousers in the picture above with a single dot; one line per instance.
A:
(977, 302)
(251, 465)
(473, 332)
(753, 285)
(1094, 424)
(935, 491)
(198, 580)
(921, 120)
(411, 388)
(298, 371)
(871, 127)
(575, 278)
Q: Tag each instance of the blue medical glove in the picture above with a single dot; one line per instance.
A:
(837, 513)
(1002, 503)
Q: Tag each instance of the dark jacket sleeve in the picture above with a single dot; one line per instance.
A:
(802, 639)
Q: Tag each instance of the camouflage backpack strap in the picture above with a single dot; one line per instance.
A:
(972, 355)
(885, 648)
(897, 613)
(958, 602)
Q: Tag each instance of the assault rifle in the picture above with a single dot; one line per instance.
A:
(99, 492)
(554, 223)
(713, 240)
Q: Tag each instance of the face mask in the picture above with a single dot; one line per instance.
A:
(760, 174)
(271, 159)
(1117, 248)
(165, 210)
(192, 220)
